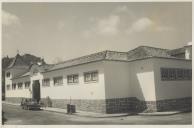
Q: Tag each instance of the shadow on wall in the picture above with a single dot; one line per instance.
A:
(138, 89)
(173, 95)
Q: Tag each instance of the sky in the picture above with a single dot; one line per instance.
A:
(62, 31)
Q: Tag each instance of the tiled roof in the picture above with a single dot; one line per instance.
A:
(135, 54)
(177, 51)
(41, 68)
(104, 55)
(145, 51)
(17, 61)
(81, 60)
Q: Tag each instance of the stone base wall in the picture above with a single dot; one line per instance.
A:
(132, 104)
(98, 106)
(174, 104)
(119, 105)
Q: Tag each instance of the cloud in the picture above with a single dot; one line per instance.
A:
(108, 26)
(9, 19)
(141, 25)
(147, 24)
(121, 9)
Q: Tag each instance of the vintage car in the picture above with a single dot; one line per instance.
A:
(29, 104)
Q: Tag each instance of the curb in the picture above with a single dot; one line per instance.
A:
(108, 116)
(160, 114)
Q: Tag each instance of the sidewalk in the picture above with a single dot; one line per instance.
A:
(101, 115)
(86, 114)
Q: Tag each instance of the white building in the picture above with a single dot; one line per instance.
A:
(143, 79)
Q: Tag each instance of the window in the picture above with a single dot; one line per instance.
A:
(180, 75)
(91, 76)
(58, 80)
(8, 87)
(14, 86)
(164, 73)
(175, 74)
(46, 82)
(8, 74)
(172, 74)
(27, 85)
(20, 85)
(190, 75)
(72, 78)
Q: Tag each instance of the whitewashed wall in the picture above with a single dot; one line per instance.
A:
(171, 89)
(130, 79)
(142, 79)
(19, 92)
(117, 79)
(81, 90)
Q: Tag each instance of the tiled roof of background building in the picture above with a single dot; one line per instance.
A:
(177, 51)
(145, 51)
(17, 61)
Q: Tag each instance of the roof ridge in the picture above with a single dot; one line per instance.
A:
(14, 60)
(82, 57)
(153, 47)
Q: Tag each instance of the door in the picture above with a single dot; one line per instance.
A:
(36, 90)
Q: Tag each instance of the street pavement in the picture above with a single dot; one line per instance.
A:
(16, 116)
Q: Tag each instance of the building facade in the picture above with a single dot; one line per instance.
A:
(143, 79)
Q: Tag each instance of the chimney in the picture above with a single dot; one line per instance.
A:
(188, 51)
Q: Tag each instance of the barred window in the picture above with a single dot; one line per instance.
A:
(20, 85)
(46, 82)
(72, 78)
(180, 74)
(91, 76)
(164, 73)
(58, 80)
(175, 74)
(27, 85)
(172, 74)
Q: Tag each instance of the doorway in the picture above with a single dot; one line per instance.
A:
(36, 90)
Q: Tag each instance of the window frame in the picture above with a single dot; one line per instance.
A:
(73, 79)
(14, 86)
(47, 81)
(8, 74)
(175, 74)
(90, 74)
(8, 87)
(20, 83)
(58, 77)
(27, 83)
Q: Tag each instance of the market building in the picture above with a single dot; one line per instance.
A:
(143, 79)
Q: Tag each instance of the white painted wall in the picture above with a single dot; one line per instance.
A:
(117, 79)
(19, 92)
(171, 89)
(142, 79)
(130, 79)
(82, 90)
(13, 72)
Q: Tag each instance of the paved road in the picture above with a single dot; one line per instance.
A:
(17, 116)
